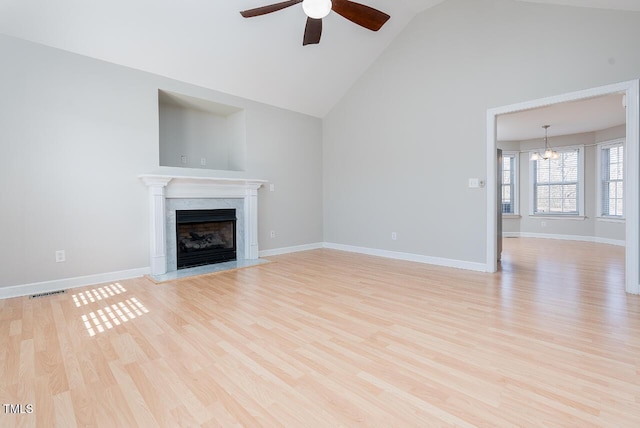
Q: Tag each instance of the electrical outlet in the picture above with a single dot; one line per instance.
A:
(203, 161)
(476, 183)
(543, 224)
(394, 236)
(183, 159)
(60, 256)
(273, 233)
(272, 187)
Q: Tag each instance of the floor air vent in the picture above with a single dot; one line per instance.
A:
(49, 293)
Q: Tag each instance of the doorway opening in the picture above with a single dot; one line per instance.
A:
(630, 92)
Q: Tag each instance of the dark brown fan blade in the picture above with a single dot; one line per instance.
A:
(366, 16)
(312, 32)
(268, 9)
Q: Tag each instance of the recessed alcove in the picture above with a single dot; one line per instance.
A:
(197, 133)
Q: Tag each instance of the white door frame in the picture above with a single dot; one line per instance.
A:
(632, 172)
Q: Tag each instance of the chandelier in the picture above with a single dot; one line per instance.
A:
(548, 152)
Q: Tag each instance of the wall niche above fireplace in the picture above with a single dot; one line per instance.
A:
(197, 133)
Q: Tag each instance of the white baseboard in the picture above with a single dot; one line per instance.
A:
(597, 239)
(438, 261)
(511, 234)
(62, 284)
(81, 281)
(618, 242)
(287, 250)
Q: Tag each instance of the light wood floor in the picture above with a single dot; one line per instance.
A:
(326, 338)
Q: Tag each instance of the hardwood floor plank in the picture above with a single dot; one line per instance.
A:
(139, 408)
(155, 396)
(85, 406)
(43, 406)
(69, 360)
(12, 361)
(236, 403)
(112, 408)
(183, 395)
(26, 373)
(63, 410)
(344, 405)
(181, 416)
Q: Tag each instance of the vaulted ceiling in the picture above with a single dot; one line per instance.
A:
(208, 43)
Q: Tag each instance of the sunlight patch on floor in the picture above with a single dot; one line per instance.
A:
(114, 315)
(111, 315)
(99, 293)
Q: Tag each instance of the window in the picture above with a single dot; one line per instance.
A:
(611, 179)
(557, 183)
(510, 183)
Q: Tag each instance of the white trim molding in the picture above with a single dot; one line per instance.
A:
(293, 249)
(555, 216)
(596, 239)
(631, 91)
(63, 284)
(599, 194)
(162, 187)
(437, 261)
(611, 219)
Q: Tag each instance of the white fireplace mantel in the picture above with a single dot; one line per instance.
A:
(162, 187)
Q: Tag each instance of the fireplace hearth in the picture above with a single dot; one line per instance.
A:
(205, 237)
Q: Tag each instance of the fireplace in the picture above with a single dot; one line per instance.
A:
(169, 193)
(205, 237)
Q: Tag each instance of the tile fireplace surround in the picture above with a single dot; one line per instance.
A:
(198, 192)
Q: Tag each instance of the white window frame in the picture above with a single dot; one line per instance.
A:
(515, 184)
(599, 203)
(580, 192)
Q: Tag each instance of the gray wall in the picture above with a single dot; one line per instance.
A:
(591, 226)
(400, 146)
(76, 133)
(395, 153)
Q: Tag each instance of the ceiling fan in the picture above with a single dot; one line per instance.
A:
(315, 10)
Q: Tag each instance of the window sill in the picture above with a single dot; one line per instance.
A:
(610, 219)
(557, 217)
(513, 216)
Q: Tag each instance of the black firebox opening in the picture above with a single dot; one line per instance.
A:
(205, 237)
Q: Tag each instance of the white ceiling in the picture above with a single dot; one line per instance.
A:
(575, 117)
(208, 43)
(600, 4)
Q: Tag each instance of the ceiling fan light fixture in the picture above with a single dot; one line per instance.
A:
(316, 9)
(360, 14)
